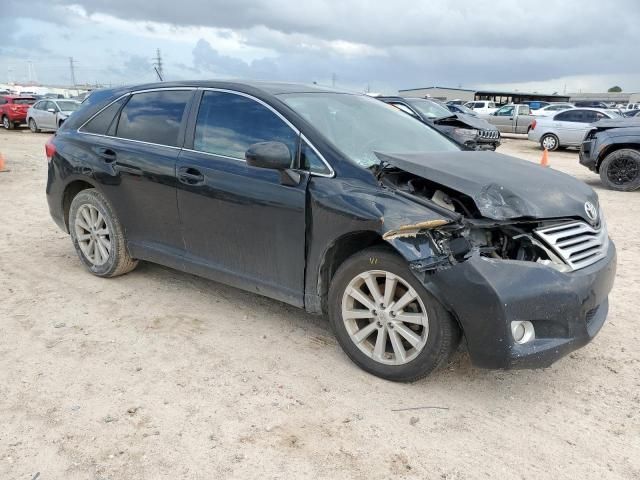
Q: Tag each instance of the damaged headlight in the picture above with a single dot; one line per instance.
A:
(466, 132)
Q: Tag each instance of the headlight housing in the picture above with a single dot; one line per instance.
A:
(466, 132)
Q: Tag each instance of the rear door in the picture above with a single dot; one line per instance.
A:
(242, 225)
(138, 155)
(522, 120)
(572, 125)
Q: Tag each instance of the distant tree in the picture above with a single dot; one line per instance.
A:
(614, 89)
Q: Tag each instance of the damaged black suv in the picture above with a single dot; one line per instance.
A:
(342, 205)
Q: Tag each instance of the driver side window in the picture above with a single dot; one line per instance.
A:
(505, 112)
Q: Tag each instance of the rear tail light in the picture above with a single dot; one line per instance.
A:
(50, 148)
(533, 124)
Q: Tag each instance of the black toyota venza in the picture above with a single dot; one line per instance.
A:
(342, 205)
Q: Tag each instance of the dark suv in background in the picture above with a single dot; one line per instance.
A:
(339, 204)
(612, 149)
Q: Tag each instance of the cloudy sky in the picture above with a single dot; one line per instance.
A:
(546, 46)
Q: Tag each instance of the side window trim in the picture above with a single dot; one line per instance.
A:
(116, 118)
(191, 124)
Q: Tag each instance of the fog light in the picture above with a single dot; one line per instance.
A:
(522, 331)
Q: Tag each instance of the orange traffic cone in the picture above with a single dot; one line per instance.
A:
(2, 166)
(544, 161)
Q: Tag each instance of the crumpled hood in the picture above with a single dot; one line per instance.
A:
(616, 123)
(473, 122)
(501, 186)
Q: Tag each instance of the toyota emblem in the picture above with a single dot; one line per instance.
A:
(591, 211)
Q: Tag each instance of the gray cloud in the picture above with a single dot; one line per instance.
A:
(389, 45)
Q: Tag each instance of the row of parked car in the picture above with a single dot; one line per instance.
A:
(39, 114)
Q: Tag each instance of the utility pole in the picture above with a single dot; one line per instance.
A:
(72, 65)
(157, 65)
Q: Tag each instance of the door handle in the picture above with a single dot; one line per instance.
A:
(107, 154)
(190, 176)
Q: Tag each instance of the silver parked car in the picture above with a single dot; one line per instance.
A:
(567, 128)
(49, 114)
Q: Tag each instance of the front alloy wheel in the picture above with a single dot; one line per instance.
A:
(385, 317)
(385, 320)
(6, 123)
(620, 170)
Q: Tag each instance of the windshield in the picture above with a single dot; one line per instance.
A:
(68, 106)
(359, 125)
(24, 101)
(463, 109)
(428, 108)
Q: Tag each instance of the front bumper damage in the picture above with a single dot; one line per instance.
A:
(485, 295)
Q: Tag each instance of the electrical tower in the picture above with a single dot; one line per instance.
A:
(72, 65)
(157, 65)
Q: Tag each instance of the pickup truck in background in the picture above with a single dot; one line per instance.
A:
(511, 118)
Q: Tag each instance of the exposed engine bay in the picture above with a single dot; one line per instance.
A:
(468, 231)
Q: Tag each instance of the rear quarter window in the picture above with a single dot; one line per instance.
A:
(100, 123)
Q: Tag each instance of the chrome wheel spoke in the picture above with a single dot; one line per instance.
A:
(364, 333)
(405, 300)
(357, 313)
(398, 348)
(381, 344)
(92, 234)
(415, 318)
(374, 289)
(390, 283)
(84, 237)
(408, 334)
(361, 297)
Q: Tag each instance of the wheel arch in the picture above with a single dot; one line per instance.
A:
(337, 252)
(72, 189)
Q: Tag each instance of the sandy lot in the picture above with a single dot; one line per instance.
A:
(163, 375)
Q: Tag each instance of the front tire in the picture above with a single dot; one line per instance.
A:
(550, 142)
(98, 236)
(7, 124)
(620, 170)
(386, 321)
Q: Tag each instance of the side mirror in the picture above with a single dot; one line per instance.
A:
(273, 155)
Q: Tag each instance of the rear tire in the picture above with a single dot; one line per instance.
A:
(620, 170)
(550, 142)
(98, 236)
(33, 126)
(396, 342)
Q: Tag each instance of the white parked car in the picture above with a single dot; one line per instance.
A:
(567, 128)
(551, 109)
(49, 114)
(482, 107)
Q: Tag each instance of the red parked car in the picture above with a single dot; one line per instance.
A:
(13, 110)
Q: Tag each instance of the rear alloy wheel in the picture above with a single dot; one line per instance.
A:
(386, 321)
(620, 170)
(32, 126)
(550, 142)
(8, 124)
(98, 236)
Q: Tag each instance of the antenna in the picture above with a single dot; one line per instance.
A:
(157, 65)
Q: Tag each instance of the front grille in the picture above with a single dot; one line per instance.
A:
(490, 134)
(577, 243)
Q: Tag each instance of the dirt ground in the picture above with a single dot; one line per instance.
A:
(163, 375)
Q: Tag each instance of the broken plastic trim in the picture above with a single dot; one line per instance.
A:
(412, 230)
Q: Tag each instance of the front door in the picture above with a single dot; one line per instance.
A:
(242, 225)
(503, 118)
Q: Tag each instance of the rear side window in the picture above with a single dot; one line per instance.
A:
(101, 122)
(228, 124)
(569, 116)
(154, 117)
